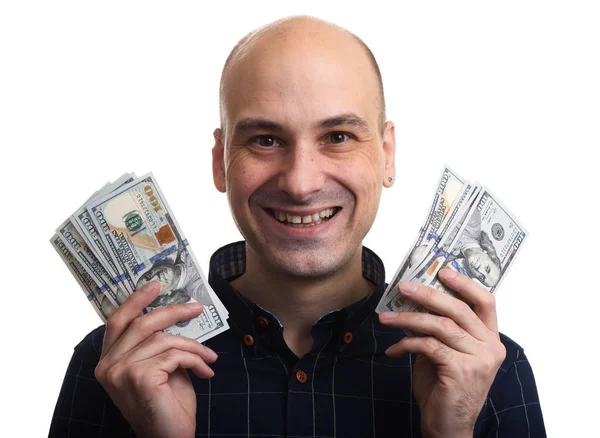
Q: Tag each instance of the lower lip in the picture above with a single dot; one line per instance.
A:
(305, 232)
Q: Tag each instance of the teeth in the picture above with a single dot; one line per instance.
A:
(293, 219)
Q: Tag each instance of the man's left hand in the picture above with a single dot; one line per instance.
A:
(458, 356)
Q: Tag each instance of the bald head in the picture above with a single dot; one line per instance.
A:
(300, 37)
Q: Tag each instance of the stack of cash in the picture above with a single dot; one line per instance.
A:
(125, 236)
(466, 229)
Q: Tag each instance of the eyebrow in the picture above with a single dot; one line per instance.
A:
(257, 124)
(347, 119)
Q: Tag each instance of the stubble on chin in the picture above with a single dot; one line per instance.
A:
(307, 258)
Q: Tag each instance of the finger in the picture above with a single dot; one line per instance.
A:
(484, 302)
(446, 305)
(142, 327)
(172, 359)
(160, 342)
(432, 348)
(440, 327)
(127, 312)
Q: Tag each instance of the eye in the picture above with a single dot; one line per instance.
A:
(265, 141)
(337, 138)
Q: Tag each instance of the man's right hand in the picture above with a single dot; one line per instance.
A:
(143, 368)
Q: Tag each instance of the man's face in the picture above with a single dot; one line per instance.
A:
(481, 267)
(304, 158)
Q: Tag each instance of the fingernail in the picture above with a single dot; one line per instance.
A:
(195, 306)
(447, 273)
(211, 352)
(388, 316)
(407, 288)
(153, 285)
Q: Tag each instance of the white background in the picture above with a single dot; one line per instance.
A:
(507, 93)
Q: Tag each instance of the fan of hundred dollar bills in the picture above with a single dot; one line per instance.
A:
(468, 230)
(125, 236)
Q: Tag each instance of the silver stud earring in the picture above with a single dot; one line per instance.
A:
(390, 179)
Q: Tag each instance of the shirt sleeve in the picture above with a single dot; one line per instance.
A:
(84, 409)
(512, 408)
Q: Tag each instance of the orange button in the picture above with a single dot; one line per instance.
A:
(262, 321)
(348, 337)
(301, 376)
(249, 340)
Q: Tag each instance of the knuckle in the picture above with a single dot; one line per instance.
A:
(443, 352)
(158, 337)
(457, 337)
(431, 343)
(487, 300)
(417, 317)
(447, 325)
(113, 323)
(500, 354)
(100, 372)
(490, 299)
(139, 324)
(429, 293)
(113, 375)
(469, 369)
(489, 365)
(169, 355)
(137, 376)
(462, 307)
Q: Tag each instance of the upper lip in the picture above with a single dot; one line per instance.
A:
(301, 211)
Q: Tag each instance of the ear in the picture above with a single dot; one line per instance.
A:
(218, 162)
(389, 150)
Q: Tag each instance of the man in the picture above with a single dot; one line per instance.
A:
(303, 153)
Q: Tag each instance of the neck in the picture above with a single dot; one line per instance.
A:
(298, 302)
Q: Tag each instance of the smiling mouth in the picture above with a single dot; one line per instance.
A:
(310, 220)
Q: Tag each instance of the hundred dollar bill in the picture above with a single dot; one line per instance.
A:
(430, 264)
(83, 223)
(448, 189)
(139, 230)
(100, 302)
(486, 246)
(428, 267)
(107, 283)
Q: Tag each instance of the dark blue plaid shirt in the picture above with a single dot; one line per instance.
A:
(345, 387)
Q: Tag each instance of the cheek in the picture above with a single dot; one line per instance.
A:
(246, 173)
(241, 176)
(362, 173)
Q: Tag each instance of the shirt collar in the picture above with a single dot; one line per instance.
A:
(229, 262)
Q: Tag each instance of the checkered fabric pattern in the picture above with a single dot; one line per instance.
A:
(345, 387)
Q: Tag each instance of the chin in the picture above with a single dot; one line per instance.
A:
(319, 263)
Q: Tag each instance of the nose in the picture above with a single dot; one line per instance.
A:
(302, 174)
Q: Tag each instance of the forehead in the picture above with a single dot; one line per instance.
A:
(296, 83)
